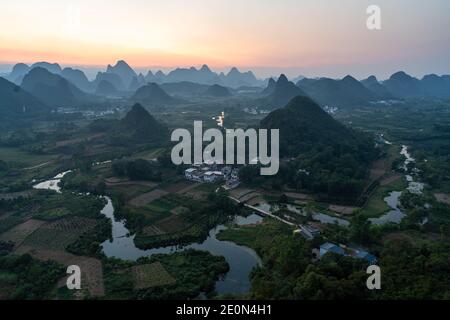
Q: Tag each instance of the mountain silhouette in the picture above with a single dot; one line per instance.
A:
(52, 89)
(78, 78)
(136, 83)
(403, 85)
(152, 94)
(344, 92)
(112, 78)
(184, 88)
(18, 72)
(140, 126)
(107, 89)
(303, 123)
(380, 91)
(50, 67)
(204, 75)
(432, 85)
(15, 101)
(217, 91)
(336, 158)
(270, 87)
(235, 78)
(124, 71)
(280, 93)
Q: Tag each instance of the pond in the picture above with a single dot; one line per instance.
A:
(395, 215)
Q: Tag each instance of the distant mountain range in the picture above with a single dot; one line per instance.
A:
(347, 91)
(124, 71)
(234, 78)
(403, 85)
(380, 91)
(129, 78)
(55, 86)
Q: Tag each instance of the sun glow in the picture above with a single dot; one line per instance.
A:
(252, 33)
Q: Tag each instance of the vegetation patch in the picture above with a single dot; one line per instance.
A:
(18, 234)
(59, 234)
(25, 278)
(190, 272)
(376, 205)
(146, 198)
(151, 275)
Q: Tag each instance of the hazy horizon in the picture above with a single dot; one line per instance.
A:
(309, 38)
(260, 72)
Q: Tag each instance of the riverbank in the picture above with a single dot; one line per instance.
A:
(241, 260)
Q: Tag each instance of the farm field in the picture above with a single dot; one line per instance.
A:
(376, 205)
(147, 198)
(23, 158)
(20, 232)
(151, 275)
(59, 234)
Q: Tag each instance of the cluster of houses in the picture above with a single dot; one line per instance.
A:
(342, 250)
(211, 173)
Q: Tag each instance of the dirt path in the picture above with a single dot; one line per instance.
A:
(15, 195)
(38, 166)
(113, 182)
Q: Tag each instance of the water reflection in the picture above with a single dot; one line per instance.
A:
(240, 258)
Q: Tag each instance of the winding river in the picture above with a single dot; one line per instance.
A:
(241, 259)
(396, 214)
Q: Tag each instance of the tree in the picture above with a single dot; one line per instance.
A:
(283, 199)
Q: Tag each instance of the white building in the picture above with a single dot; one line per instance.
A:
(235, 174)
(189, 173)
(212, 176)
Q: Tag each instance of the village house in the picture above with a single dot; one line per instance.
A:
(213, 173)
(307, 231)
(212, 176)
(194, 174)
(346, 251)
(188, 173)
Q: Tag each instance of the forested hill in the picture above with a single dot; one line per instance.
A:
(326, 156)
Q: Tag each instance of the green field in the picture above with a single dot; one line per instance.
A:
(23, 158)
(376, 205)
(151, 275)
